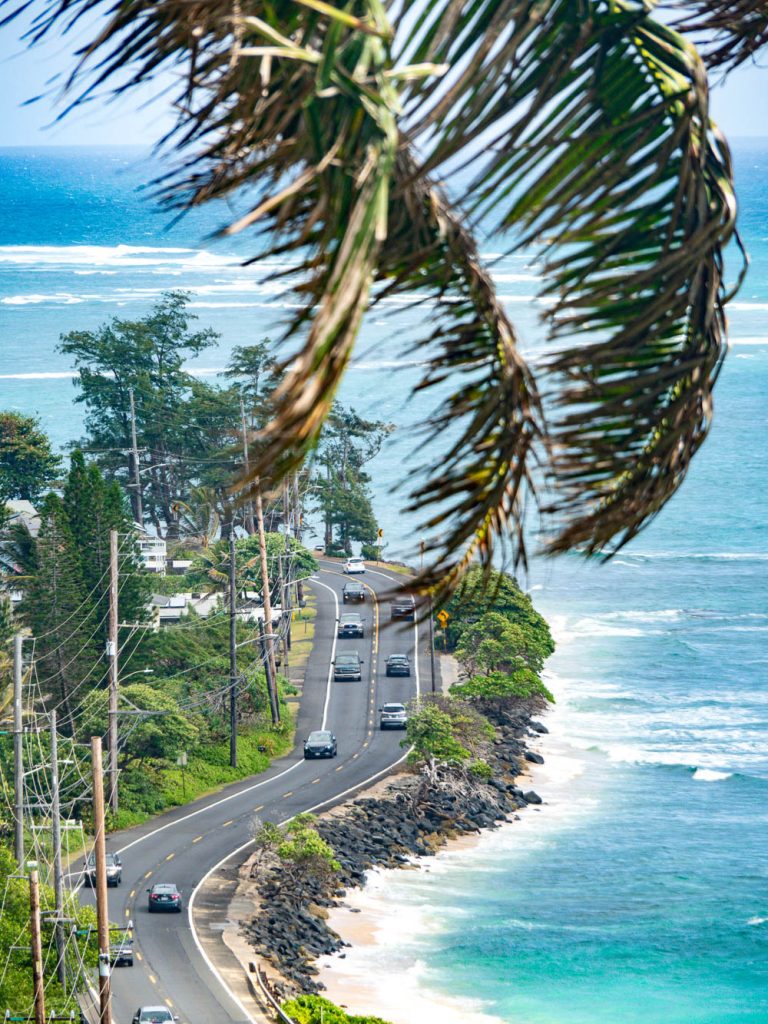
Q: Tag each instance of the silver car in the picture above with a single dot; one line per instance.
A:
(114, 870)
(393, 716)
(154, 1015)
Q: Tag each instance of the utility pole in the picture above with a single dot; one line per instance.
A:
(37, 946)
(18, 751)
(58, 874)
(246, 461)
(138, 504)
(113, 669)
(102, 906)
(431, 645)
(270, 650)
(274, 707)
(232, 652)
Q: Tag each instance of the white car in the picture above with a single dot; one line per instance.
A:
(354, 565)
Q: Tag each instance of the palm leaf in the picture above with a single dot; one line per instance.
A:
(604, 159)
(585, 124)
(730, 32)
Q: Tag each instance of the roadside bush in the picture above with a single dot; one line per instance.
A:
(522, 685)
(316, 1010)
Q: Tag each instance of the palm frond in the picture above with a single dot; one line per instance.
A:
(477, 495)
(599, 154)
(728, 32)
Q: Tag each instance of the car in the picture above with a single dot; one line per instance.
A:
(403, 607)
(354, 566)
(121, 953)
(398, 665)
(393, 716)
(165, 896)
(351, 625)
(114, 870)
(320, 743)
(154, 1015)
(353, 592)
(348, 665)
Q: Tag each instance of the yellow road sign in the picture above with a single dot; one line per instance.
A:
(379, 534)
(442, 617)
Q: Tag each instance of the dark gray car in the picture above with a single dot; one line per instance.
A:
(320, 744)
(348, 665)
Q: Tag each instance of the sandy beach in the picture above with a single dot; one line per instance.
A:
(377, 974)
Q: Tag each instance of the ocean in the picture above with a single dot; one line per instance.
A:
(639, 891)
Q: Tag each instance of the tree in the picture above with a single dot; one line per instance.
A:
(583, 128)
(27, 463)
(57, 609)
(146, 357)
(481, 592)
(159, 729)
(339, 483)
(495, 643)
(307, 859)
(210, 568)
(93, 508)
(522, 685)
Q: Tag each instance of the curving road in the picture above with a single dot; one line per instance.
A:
(187, 844)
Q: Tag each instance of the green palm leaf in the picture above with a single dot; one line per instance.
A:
(730, 32)
(585, 125)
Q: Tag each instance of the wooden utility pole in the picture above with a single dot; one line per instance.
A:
(138, 503)
(18, 752)
(37, 946)
(246, 461)
(113, 669)
(232, 651)
(270, 650)
(102, 906)
(58, 873)
(274, 706)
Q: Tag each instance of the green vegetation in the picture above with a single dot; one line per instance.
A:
(16, 977)
(28, 465)
(306, 859)
(316, 1010)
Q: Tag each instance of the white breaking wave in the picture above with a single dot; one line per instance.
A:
(58, 375)
(757, 920)
(120, 256)
(710, 775)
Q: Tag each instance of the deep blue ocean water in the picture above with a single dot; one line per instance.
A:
(639, 892)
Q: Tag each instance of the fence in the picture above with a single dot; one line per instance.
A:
(267, 991)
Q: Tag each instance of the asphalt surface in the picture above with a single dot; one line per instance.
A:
(184, 845)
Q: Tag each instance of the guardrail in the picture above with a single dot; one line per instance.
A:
(268, 992)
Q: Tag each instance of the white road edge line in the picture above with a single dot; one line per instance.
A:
(333, 650)
(244, 846)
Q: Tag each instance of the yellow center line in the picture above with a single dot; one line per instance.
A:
(148, 874)
(366, 742)
(227, 823)
(289, 793)
(131, 894)
(356, 755)
(197, 839)
(170, 856)
(169, 1003)
(340, 767)
(138, 955)
(259, 808)
(127, 912)
(315, 781)
(153, 979)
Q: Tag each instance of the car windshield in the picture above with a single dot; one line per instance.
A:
(319, 737)
(164, 888)
(156, 1015)
(350, 618)
(347, 659)
(398, 657)
(392, 708)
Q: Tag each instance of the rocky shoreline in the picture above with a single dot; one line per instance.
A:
(410, 817)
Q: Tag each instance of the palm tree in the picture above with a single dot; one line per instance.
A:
(583, 127)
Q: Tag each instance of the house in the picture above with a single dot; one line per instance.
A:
(153, 550)
(167, 609)
(24, 512)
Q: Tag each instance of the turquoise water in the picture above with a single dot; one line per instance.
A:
(639, 893)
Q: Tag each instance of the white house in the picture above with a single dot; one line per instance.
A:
(170, 608)
(154, 552)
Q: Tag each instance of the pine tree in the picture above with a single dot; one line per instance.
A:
(94, 508)
(59, 612)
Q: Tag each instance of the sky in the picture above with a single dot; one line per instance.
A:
(740, 106)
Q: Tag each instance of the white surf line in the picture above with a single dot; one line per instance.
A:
(328, 685)
(244, 846)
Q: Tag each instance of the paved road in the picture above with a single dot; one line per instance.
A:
(184, 845)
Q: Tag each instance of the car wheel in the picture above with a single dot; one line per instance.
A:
(151, 910)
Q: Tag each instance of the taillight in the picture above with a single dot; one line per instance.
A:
(174, 896)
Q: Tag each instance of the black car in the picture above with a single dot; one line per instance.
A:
(398, 665)
(320, 744)
(165, 896)
(114, 870)
(403, 607)
(121, 953)
(353, 592)
(348, 665)
(351, 625)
